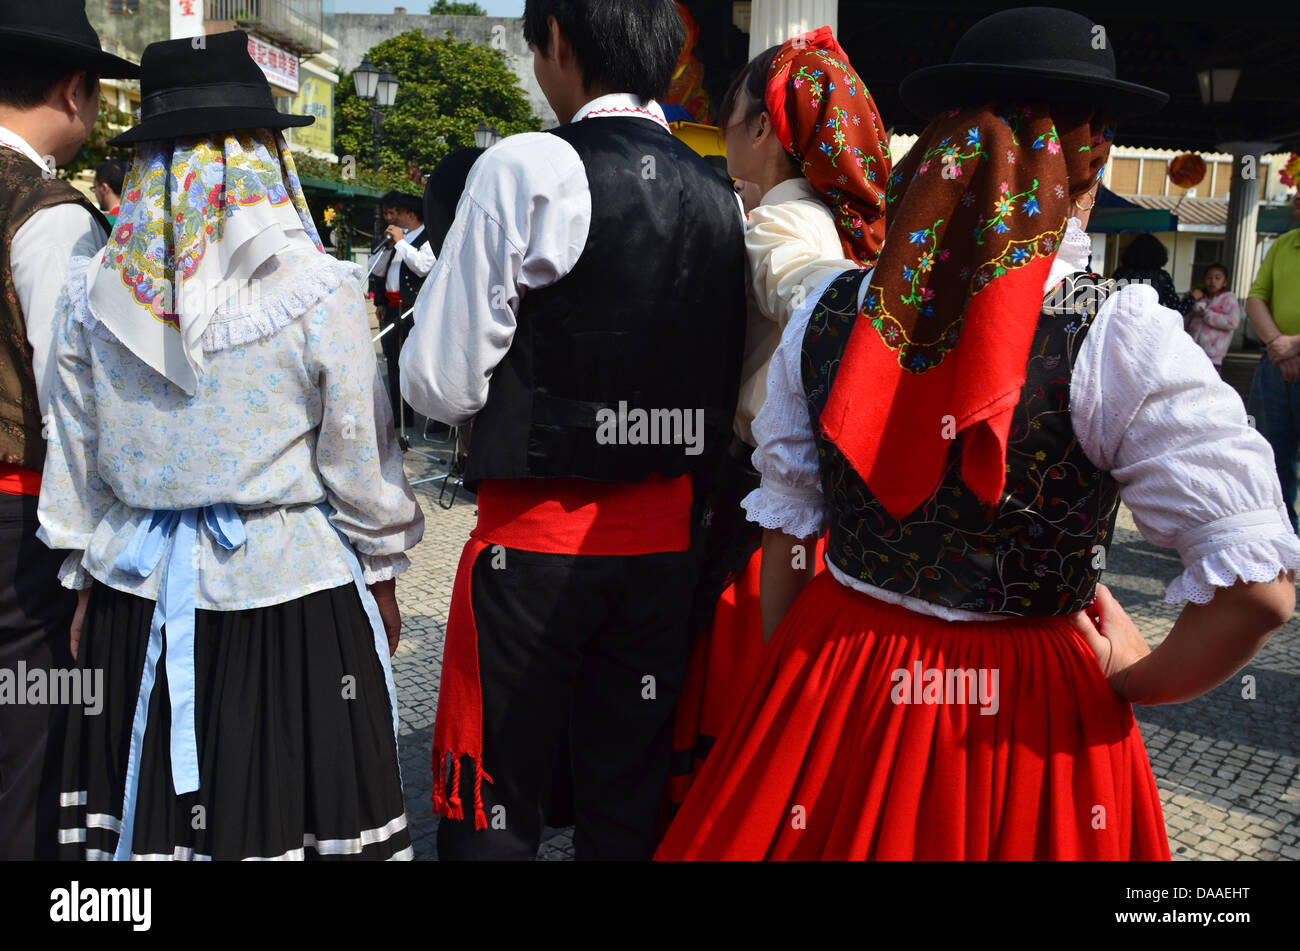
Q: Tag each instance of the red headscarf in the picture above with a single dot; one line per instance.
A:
(818, 107)
(977, 210)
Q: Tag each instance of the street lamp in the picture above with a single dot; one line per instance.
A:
(1217, 85)
(366, 78)
(379, 90)
(486, 136)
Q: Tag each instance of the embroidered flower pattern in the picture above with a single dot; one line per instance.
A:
(186, 196)
(1000, 179)
(826, 106)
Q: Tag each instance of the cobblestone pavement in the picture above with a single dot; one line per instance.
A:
(1227, 765)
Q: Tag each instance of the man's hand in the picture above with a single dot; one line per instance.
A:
(78, 620)
(1290, 369)
(394, 232)
(1283, 347)
(385, 593)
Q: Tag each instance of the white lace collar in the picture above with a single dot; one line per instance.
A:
(1075, 250)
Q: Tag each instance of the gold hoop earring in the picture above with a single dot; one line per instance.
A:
(1092, 200)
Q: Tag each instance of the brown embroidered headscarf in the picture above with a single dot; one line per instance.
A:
(823, 115)
(977, 211)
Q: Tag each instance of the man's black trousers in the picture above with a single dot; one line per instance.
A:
(592, 646)
(392, 344)
(35, 614)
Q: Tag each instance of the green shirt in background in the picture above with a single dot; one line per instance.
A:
(1278, 282)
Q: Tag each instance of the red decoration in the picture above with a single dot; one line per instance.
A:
(1188, 170)
(1290, 172)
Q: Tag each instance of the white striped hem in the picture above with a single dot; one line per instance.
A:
(351, 846)
(72, 798)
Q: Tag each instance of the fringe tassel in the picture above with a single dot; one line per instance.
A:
(447, 801)
(454, 808)
(480, 817)
(439, 781)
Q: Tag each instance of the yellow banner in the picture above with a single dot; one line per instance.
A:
(315, 98)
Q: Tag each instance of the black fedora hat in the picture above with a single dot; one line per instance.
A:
(59, 28)
(1037, 53)
(188, 87)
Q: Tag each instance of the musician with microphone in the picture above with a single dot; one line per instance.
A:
(407, 260)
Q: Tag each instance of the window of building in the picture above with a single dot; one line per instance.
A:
(1124, 176)
(124, 7)
(1205, 252)
(1222, 179)
(1154, 177)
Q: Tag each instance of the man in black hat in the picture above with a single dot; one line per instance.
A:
(408, 259)
(50, 64)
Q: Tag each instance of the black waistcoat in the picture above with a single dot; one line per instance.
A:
(409, 282)
(650, 320)
(1040, 550)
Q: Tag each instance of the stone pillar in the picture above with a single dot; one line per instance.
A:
(1243, 212)
(775, 21)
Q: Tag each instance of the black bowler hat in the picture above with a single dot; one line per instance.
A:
(202, 85)
(442, 194)
(1030, 53)
(60, 29)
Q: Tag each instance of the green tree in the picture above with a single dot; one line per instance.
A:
(446, 88)
(440, 7)
(109, 123)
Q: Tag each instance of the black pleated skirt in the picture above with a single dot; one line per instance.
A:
(296, 753)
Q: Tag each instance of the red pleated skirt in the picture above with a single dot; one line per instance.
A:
(873, 732)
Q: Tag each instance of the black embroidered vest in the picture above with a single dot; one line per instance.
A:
(646, 331)
(1040, 550)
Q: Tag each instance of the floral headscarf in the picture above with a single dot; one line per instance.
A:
(823, 115)
(977, 211)
(199, 217)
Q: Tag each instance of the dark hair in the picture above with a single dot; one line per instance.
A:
(1144, 253)
(112, 173)
(27, 80)
(752, 79)
(1216, 266)
(625, 45)
(404, 202)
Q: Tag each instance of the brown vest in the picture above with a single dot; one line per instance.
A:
(23, 192)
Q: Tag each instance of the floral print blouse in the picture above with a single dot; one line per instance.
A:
(289, 414)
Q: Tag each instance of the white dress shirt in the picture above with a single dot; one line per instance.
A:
(419, 260)
(38, 259)
(521, 225)
(1146, 405)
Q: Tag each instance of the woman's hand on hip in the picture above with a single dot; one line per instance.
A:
(1116, 641)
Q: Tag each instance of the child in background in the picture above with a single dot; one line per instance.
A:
(1214, 315)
